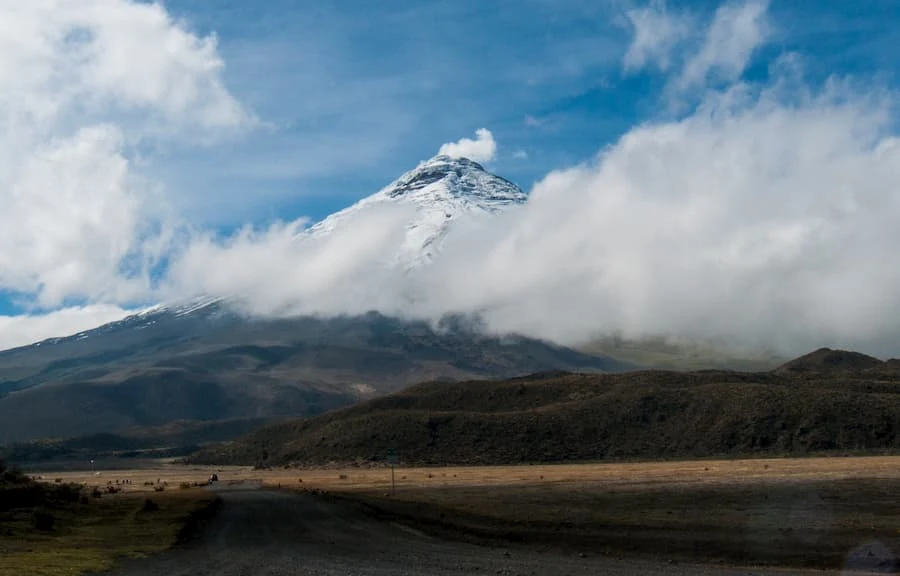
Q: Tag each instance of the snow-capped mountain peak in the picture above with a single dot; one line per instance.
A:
(441, 190)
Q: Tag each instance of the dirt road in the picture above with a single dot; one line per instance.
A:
(264, 532)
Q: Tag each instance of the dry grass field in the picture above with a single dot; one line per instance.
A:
(813, 512)
(621, 476)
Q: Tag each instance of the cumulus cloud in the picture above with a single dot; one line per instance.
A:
(656, 34)
(84, 86)
(481, 149)
(25, 329)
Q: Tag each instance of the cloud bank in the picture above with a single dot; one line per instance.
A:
(482, 149)
(25, 329)
(761, 219)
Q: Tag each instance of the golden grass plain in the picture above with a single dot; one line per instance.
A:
(789, 512)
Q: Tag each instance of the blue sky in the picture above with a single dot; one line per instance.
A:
(320, 104)
(359, 92)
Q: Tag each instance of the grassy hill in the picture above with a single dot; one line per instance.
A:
(666, 354)
(832, 405)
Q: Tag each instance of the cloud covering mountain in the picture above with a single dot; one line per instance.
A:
(753, 209)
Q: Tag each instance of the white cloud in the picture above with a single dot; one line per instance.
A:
(755, 220)
(696, 56)
(84, 86)
(25, 329)
(520, 155)
(737, 30)
(482, 149)
(285, 271)
(656, 34)
(765, 218)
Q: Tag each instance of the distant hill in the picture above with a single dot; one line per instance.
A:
(566, 417)
(828, 360)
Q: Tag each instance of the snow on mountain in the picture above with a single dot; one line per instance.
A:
(442, 190)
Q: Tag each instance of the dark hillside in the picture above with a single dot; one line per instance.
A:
(565, 417)
(828, 360)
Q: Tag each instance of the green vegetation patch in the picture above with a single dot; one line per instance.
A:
(43, 535)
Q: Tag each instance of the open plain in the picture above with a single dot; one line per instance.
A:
(717, 516)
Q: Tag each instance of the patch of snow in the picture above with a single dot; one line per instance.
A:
(443, 190)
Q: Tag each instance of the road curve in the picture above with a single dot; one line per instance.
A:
(272, 533)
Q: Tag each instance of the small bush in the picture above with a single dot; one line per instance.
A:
(149, 506)
(43, 520)
(66, 493)
(159, 488)
(96, 493)
(184, 485)
(342, 477)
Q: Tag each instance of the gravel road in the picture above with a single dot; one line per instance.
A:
(270, 533)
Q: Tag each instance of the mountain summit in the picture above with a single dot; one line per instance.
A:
(442, 191)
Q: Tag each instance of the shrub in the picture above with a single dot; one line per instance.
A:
(184, 485)
(43, 520)
(149, 506)
(159, 488)
(96, 493)
(66, 493)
